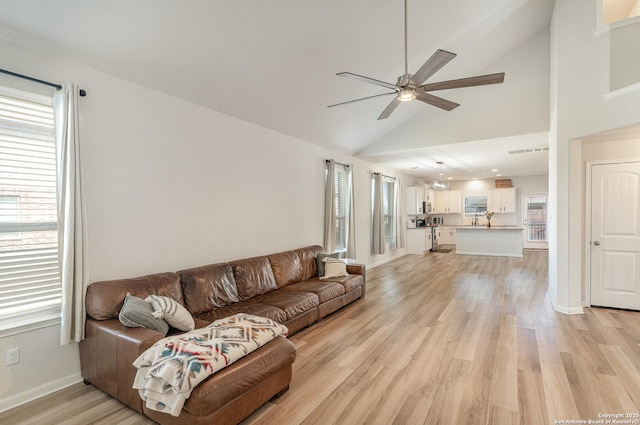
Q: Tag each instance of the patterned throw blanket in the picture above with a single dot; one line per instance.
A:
(170, 369)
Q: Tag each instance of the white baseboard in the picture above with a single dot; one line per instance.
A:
(489, 254)
(16, 400)
(386, 260)
(568, 310)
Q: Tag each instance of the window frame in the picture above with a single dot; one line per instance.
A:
(341, 186)
(474, 213)
(389, 209)
(22, 132)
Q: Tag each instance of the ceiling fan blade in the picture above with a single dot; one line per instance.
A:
(439, 102)
(358, 100)
(368, 80)
(481, 80)
(439, 59)
(390, 108)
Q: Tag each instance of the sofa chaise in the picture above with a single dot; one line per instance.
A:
(284, 287)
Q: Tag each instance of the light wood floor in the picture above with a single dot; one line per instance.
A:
(439, 339)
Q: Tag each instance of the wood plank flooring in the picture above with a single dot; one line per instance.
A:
(439, 339)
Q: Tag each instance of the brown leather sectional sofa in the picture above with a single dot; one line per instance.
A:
(284, 287)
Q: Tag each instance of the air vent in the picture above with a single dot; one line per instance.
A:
(528, 150)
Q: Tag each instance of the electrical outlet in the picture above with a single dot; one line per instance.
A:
(13, 356)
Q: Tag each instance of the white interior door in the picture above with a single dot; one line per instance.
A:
(615, 235)
(534, 213)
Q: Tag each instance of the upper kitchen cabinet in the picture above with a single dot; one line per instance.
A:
(502, 200)
(448, 202)
(415, 198)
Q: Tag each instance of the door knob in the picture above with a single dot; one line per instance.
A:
(596, 243)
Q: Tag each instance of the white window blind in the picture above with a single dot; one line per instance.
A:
(29, 273)
(388, 206)
(340, 182)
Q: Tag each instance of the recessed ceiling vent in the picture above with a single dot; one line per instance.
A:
(529, 150)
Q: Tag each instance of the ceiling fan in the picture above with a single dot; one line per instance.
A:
(409, 87)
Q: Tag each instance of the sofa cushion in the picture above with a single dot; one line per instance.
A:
(170, 311)
(286, 268)
(350, 282)
(253, 277)
(293, 303)
(321, 262)
(334, 268)
(307, 258)
(104, 299)
(325, 291)
(208, 287)
(268, 311)
(137, 313)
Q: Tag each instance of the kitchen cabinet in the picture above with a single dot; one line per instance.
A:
(492, 241)
(419, 240)
(447, 235)
(414, 197)
(448, 202)
(502, 200)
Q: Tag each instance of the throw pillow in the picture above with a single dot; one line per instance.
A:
(137, 313)
(334, 268)
(320, 261)
(172, 312)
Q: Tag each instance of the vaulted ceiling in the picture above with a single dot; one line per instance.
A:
(274, 63)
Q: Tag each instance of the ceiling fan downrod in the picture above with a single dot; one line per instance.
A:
(407, 93)
(406, 62)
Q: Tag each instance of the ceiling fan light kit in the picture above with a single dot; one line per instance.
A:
(407, 95)
(410, 87)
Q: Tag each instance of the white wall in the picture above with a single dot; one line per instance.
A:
(581, 105)
(170, 185)
(625, 67)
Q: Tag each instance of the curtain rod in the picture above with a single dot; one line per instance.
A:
(339, 163)
(383, 175)
(35, 80)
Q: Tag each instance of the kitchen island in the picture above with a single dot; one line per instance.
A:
(498, 241)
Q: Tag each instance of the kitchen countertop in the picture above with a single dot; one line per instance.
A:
(460, 226)
(484, 227)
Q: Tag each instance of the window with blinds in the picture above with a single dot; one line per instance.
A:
(340, 183)
(388, 205)
(29, 274)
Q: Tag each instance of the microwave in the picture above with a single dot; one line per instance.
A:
(426, 207)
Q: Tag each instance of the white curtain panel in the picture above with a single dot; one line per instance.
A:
(351, 217)
(71, 226)
(377, 235)
(330, 208)
(399, 215)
